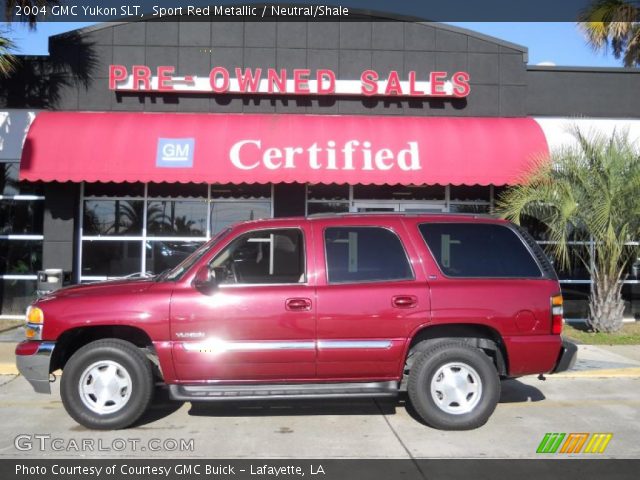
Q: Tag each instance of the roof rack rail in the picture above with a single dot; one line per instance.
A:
(400, 214)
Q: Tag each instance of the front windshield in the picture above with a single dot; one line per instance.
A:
(186, 264)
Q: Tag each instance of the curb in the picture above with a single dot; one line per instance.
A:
(631, 372)
(8, 369)
(8, 329)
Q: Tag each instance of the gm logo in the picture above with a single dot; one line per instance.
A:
(574, 443)
(175, 152)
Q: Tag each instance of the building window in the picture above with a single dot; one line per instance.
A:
(113, 218)
(399, 192)
(332, 198)
(178, 218)
(137, 229)
(326, 199)
(114, 258)
(21, 219)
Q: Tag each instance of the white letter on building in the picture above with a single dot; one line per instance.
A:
(413, 163)
(234, 155)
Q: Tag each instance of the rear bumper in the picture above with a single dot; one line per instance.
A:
(534, 354)
(567, 357)
(33, 360)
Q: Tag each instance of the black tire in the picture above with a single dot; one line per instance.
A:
(482, 373)
(127, 359)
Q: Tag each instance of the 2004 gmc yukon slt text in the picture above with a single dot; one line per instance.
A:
(441, 306)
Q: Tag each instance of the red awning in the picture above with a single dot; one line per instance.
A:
(245, 148)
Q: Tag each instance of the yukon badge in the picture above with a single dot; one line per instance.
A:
(189, 334)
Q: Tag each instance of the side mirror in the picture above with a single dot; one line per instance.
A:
(205, 280)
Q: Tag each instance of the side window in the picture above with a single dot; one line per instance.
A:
(365, 254)
(479, 250)
(262, 257)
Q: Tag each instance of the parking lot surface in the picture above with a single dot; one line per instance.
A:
(37, 426)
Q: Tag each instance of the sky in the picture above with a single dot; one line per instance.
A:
(560, 43)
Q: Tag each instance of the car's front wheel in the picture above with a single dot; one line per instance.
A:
(454, 386)
(107, 384)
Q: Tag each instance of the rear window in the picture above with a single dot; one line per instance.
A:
(365, 254)
(479, 250)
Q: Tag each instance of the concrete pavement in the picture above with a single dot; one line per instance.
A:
(529, 408)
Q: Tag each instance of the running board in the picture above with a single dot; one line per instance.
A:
(206, 393)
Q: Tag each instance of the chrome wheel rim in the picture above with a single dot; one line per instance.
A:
(456, 388)
(105, 387)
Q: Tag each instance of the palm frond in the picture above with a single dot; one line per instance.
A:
(614, 24)
(8, 61)
(31, 19)
(589, 192)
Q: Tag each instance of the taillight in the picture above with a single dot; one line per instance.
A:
(556, 315)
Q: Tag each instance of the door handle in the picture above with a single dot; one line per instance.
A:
(404, 301)
(298, 304)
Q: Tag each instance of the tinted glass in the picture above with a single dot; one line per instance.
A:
(113, 189)
(178, 190)
(479, 250)
(535, 227)
(10, 185)
(365, 254)
(327, 207)
(16, 295)
(398, 192)
(242, 190)
(224, 214)
(165, 254)
(576, 268)
(328, 192)
(631, 296)
(20, 257)
(113, 217)
(469, 208)
(576, 300)
(470, 193)
(262, 257)
(21, 217)
(9, 179)
(176, 218)
(111, 258)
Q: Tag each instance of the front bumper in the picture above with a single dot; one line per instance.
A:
(567, 357)
(33, 360)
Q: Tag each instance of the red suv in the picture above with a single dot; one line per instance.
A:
(440, 306)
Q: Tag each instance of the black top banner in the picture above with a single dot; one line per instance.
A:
(317, 469)
(328, 10)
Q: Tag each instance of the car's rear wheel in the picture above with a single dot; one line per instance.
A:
(107, 384)
(453, 386)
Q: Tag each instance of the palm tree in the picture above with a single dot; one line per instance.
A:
(615, 23)
(589, 192)
(185, 227)
(7, 60)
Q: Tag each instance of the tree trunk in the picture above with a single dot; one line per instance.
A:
(606, 306)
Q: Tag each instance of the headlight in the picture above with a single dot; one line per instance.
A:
(35, 315)
(35, 319)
